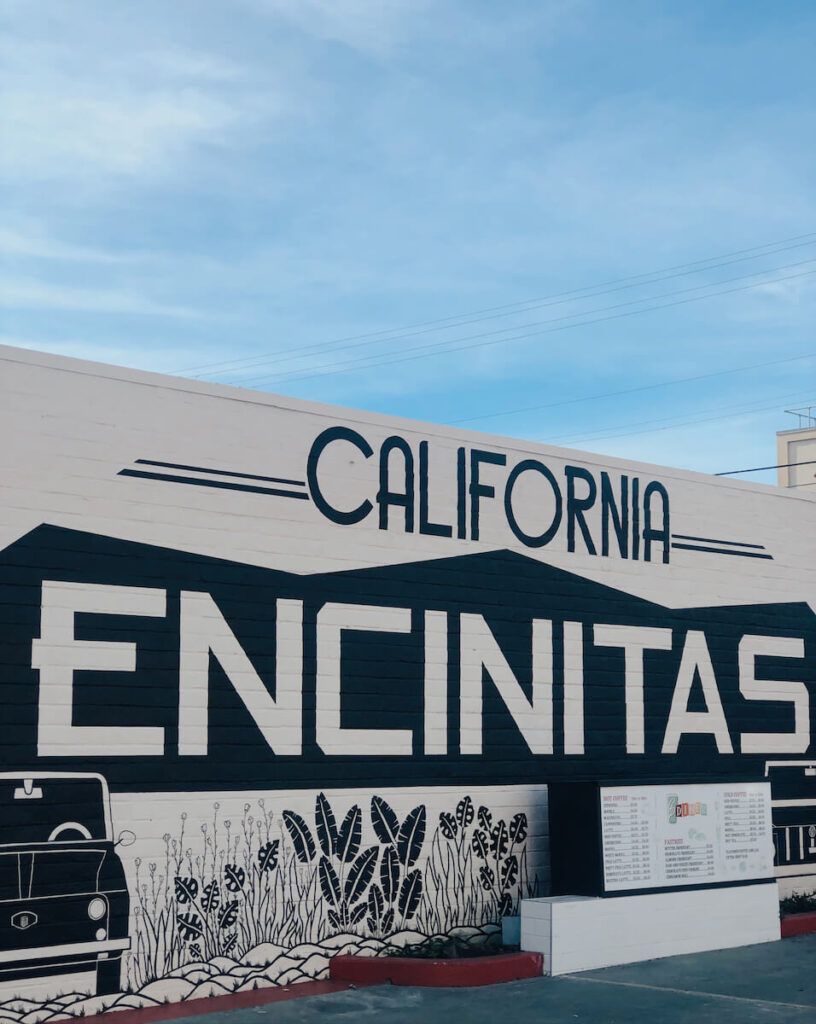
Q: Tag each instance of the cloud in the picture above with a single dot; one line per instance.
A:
(65, 130)
(370, 27)
(35, 295)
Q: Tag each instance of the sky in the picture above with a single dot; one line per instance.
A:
(584, 223)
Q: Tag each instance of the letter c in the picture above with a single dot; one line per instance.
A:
(321, 442)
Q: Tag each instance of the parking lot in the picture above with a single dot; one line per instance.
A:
(773, 982)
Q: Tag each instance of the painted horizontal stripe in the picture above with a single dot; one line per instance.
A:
(222, 472)
(706, 540)
(10, 956)
(794, 803)
(170, 478)
(213, 1004)
(722, 551)
(699, 993)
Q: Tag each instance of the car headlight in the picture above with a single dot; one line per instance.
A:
(97, 908)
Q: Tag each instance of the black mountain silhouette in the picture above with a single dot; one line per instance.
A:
(382, 673)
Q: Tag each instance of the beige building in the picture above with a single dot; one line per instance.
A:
(796, 451)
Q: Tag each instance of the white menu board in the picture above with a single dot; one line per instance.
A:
(697, 834)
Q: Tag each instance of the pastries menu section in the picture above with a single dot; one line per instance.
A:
(660, 836)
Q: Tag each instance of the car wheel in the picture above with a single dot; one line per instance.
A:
(108, 976)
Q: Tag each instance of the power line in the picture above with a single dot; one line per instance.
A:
(756, 469)
(444, 344)
(463, 319)
(421, 351)
(672, 422)
(635, 390)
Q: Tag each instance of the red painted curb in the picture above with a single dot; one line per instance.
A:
(798, 924)
(483, 970)
(214, 1004)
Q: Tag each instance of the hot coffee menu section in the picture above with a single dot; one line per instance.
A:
(664, 836)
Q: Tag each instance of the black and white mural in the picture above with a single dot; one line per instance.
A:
(276, 685)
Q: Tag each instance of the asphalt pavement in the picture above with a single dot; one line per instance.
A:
(771, 983)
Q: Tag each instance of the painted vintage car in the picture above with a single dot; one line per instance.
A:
(63, 897)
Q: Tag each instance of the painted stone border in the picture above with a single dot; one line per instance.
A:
(215, 1004)
(454, 973)
(798, 924)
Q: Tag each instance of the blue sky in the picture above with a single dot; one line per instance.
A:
(229, 188)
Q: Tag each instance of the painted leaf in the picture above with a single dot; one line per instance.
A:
(194, 950)
(186, 889)
(485, 818)
(509, 872)
(411, 836)
(350, 834)
(189, 926)
(334, 920)
(326, 825)
(479, 844)
(486, 877)
(388, 921)
(371, 924)
(229, 945)
(268, 855)
(389, 873)
(360, 874)
(234, 877)
(329, 882)
(464, 812)
(506, 905)
(410, 894)
(518, 827)
(447, 825)
(384, 820)
(301, 836)
(229, 914)
(211, 897)
(498, 839)
(357, 914)
(376, 904)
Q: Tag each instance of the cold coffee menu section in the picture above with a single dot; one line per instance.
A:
(660, 836)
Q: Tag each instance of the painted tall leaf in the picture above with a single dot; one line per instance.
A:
(376, 905)
(479, 844)
(211, 897)
(301, 836)
(350, 834)
(389, 873)
(234, 877)
(485, 818)
(186, 889)
(506, 905)
(498, 839)
(486, 877)
(356, 915)
(329, 882)
(411, 836)
(228, 915)
(360, 874)
(464, 812)
(388, 921)
(189, 926)
(509, 872)
(447, 824)
(518, 827)
(384, 820)
(326, 825)
(410, 894)
(267, 857)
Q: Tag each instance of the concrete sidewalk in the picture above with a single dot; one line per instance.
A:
(773, 982)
